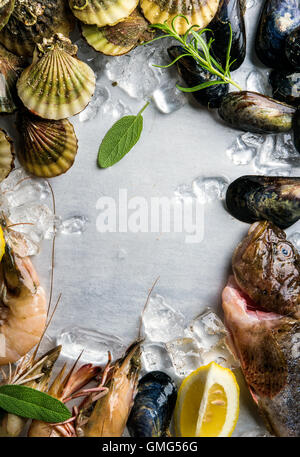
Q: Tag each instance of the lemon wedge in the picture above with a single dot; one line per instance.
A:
(2, 244)
(207, 403)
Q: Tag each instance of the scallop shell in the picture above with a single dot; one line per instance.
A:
(56, 85)
(118, 39)
(11, 67)
(33, 20)
(102, 12)
(6, 155)
(198, 12)
(48, 147)
(6, 8)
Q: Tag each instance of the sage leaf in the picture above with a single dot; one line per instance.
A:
(31, 403)
(120, 139)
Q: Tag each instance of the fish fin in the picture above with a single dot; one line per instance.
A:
(264, 366)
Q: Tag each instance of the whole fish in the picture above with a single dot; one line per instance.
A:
(261, 307)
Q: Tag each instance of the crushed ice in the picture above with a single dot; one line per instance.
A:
(204, 189)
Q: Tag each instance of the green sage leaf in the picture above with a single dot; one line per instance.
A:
(120, 139)
(30, 403)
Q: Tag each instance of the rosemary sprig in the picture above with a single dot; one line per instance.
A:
(196, 46)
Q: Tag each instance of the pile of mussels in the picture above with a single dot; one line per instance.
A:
(42, 78)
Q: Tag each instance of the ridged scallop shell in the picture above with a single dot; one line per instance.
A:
(48, 148)
(198, 12)
(56, 85)
(102, 12)
(11, 67)
(6, 155)
(33, 20)
(6, 8)
(118, 39)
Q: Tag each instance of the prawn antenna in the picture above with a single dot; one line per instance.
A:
(53, 247)
(146, 305)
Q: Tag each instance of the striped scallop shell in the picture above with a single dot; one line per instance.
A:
(33, 20)
(56, 85)
(6, 8)
(102, 12)
(48, 148)
(118, 39)
(6, 155)
(198, 12)
(11, 67)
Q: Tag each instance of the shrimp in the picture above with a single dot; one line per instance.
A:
(23, 306)
(105, 412)
(63, 388)
(31, 373)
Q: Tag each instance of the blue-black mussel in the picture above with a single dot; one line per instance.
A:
(230, 12)
(256, 113)
(153, 406)
(278, 20)
(292, 48)
(286, 87)
(275, 199)
(193, 75)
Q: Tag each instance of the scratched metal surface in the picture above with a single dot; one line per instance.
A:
(102, 291)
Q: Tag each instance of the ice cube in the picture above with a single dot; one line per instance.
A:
(74, 225)
(185, 356)
(155, 357)
(221, 354)
(184, 192)
(19, 188)
(258, 82)
(294, 238)
(240, 153)
(101, 96)
(168, 98)
(116, 109)
(207, 329)
(34, 220)
(210, 189)
(276, 156)
(95, 345)
(161, 322)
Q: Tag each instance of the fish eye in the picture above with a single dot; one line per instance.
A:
(285, 250)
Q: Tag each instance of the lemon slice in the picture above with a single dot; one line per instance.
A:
(207, 403)
(2, 244)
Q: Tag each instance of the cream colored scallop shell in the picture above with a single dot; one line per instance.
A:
(6, 155)
(102, 12)
(56, 85)
(198, 12)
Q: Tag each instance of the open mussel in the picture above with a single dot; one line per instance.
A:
(198, 12)
(48, 148)
(118, 39)
(153, 406)
(292, 49)
(230, 13)
(193, 74)
(33, 20)
(278, 20)
(253, 112)
(56, 85)
(102, 12)
(6, 155)
(6, 8)
(11, 67)
(256, 198)
(286, 87)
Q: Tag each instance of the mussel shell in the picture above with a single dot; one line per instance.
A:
(6, 155)
(48, 147)
(193, 74)
(256, 113)
(11, 67)
(153, 406)
(6, 8)
(229, 13)
(118, 39)
(33, 20)
(56, 85)
(279, 18)
(255, 198)
(286, 87)
(296, 129)
(198, 12)
(292, 49)
(102, 12)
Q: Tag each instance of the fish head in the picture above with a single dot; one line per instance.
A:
(266, 267)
